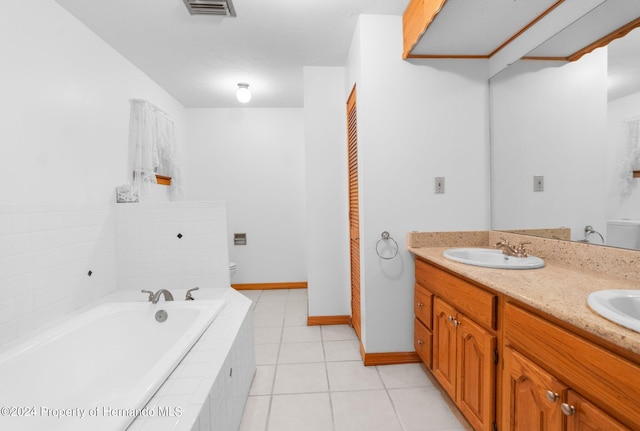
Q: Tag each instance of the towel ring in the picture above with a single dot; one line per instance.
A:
(384, 236)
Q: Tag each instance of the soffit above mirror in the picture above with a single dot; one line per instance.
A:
(610, 20)
(481, 29)
(471, 28)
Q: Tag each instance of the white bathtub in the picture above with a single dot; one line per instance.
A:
(98, 370)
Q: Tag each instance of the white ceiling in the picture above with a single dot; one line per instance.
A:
(200, 59)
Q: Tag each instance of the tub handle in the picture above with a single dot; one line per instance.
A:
(150, 294)
(189, 297)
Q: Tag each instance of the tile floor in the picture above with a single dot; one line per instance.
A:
(311, 378)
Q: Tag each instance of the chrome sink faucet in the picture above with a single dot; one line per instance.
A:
(155, 297)
(512, 250)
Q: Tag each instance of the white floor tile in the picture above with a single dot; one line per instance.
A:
(338, 332)
(297, 306)
(296, 293)
(295, 319)
(308, 412)
(424, 409)
(270, 307)
(405, 376)
(274, 295)
(263, 380)
(256, 413)
(263, 320)
(267, 335)
(266, 354)
(291, 353)
(313, 378)
(301, 334)
(352, 376)
(364, 411)
(342, 350)
(300, 378)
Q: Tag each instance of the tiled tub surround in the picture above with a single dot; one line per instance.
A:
(57, 258)
(209, 387)
(572, 271)
(211, 384)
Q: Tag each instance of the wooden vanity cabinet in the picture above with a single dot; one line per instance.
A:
(553, 379)
(553, 376)
(464, 342)
(533, 399)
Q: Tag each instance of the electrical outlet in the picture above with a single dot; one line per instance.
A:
(439, 184)
(538, 183)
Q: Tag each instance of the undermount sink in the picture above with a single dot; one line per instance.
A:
(492, 258)
(619, 306)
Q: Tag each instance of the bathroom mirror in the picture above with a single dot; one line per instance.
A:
(558, 141)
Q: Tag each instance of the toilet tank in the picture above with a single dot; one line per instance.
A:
(624, 233)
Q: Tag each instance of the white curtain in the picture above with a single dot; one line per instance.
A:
(152, 147)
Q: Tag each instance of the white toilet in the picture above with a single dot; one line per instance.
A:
(232, 269)
(624, 233)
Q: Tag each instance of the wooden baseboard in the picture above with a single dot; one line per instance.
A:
(269, 286)
(328, 320)
(390, 358)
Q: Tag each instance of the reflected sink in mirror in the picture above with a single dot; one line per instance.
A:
(492, 258)
(619, 306)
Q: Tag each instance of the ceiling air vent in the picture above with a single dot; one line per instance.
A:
(210, 7)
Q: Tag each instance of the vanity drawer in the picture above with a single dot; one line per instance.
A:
(422, 305)
(422, 342)
(475, 302)
(607, 380)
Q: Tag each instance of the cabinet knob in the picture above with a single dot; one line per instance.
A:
(419, 304)
(567, 409)
(456, 323)
(450, 318)
(420, 342)
(552, 396)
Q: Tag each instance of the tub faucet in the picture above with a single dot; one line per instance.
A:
(512, 250)
(155, 297)
(189, 296)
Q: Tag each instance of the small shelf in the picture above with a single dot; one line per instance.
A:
(162, 180)
(636, 174)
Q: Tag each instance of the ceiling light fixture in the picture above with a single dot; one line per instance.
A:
(243, 94)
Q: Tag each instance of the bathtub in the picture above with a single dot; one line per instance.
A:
(98, 370)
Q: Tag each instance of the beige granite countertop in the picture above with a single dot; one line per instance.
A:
(558, 289)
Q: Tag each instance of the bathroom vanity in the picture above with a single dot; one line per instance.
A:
(521, 350)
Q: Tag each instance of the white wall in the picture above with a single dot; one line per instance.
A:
(65, 108)
(619, 206)
(550, 120)
(416, 121)
(253, 158)
(328, 268)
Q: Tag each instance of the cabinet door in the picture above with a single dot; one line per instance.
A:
(531, 397)
(584, 416)
(476, 374)
(444, 345)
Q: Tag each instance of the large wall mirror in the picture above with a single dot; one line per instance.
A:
(560, 136)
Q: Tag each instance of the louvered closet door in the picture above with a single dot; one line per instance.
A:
(354, 212)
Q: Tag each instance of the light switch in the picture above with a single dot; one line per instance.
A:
(538, 183)
(439, 184)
